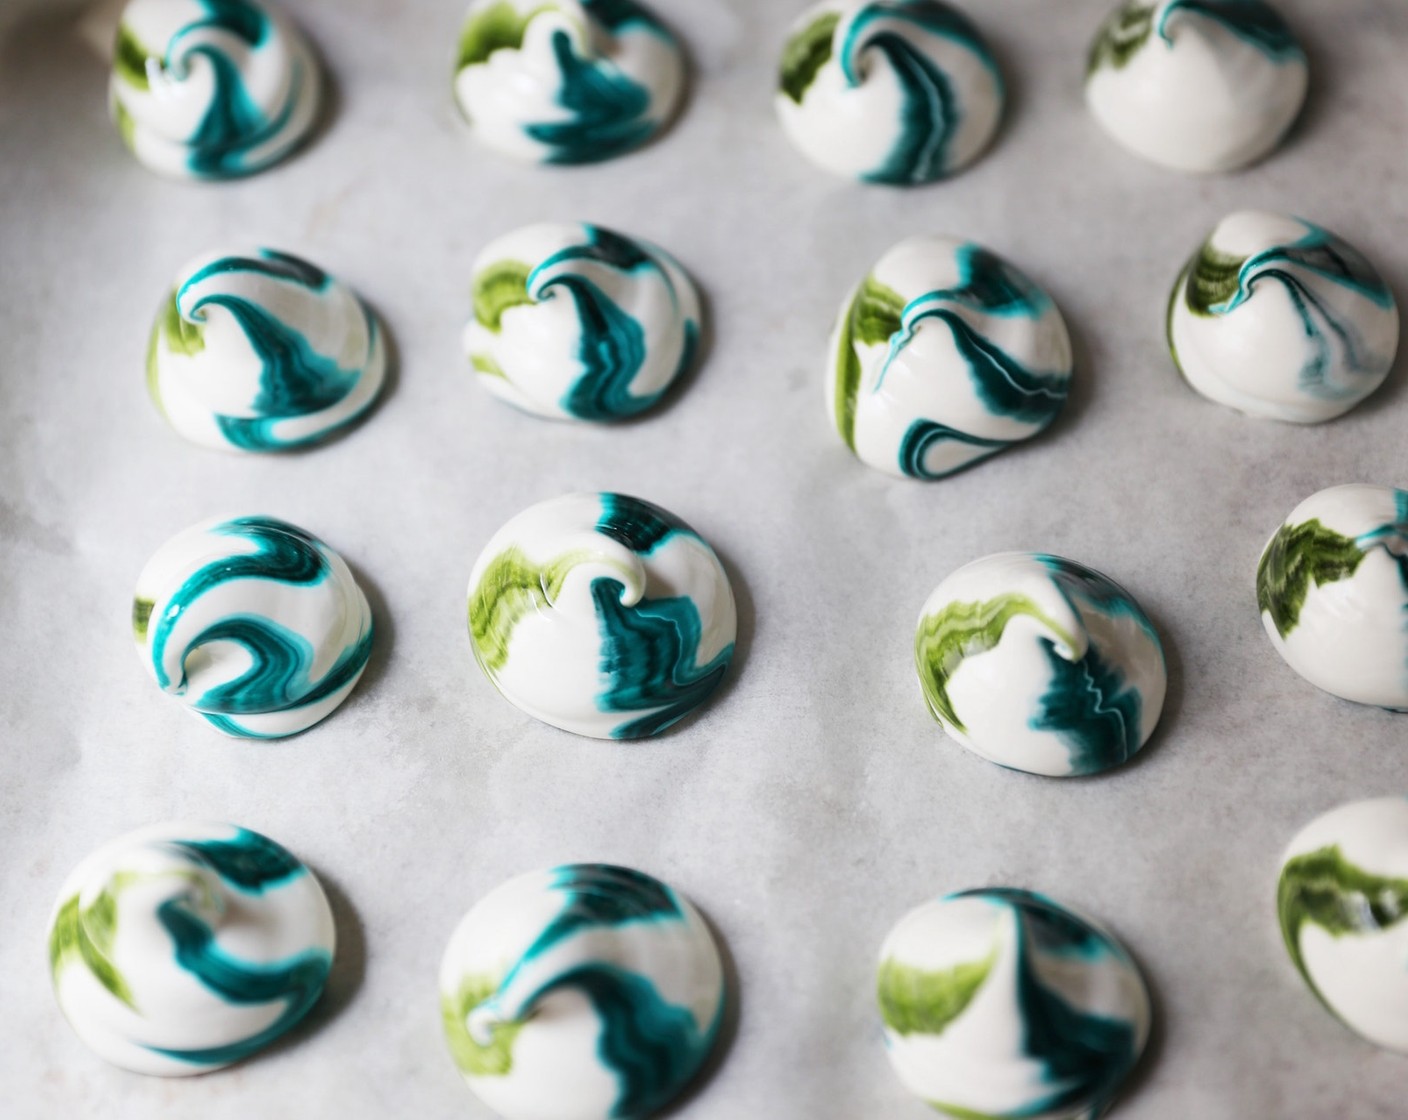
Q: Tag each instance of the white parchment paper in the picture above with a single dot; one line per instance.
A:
(815, 801)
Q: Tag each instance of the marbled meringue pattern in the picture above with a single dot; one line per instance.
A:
(1342, 899)
(258, 350)
(574, 322)
(1196, 85)
(1281, 319)
(944, 355)
(581, 993)
(1003, 1005)
(1332, 588)
(894, 91)
(184, 947)
(566, 81)
(1040, 664)
(212, 89)
(601, 614)
(254, 624)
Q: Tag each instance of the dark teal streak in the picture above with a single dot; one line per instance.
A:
(613, 346)
(1250, 20)
(279, 675)
(653, 1047)
(930, 115)
(282, 552)
(1335, 261)
(297, 982)
(924, 434)
(648, 655)
(1085, 1057)
(638, 525)
(1091, 708)
(294, 380)
(609, 112)
(248, 862)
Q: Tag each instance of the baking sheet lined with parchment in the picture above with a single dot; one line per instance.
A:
(814, 801)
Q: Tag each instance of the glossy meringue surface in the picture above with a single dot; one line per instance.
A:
(255, 625)
(186, 946)
(212, 89)
(1196, 85)
(581, 993)
(1332, 588)
(259, 350)
(1002, 1004)
(575, 322)
(1281, 319)
(601, 614)
(896, 91)
(944, 355)
(1342, 900)
(1040, 664)
(566, 81)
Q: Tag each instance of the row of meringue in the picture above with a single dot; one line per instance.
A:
(609, 617)
(589, 991)
(944, 355)
(890, 91)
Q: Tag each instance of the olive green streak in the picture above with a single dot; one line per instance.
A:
(497, 288)
(806, 53)
(1325, 889)
(1298, 556)
(500, 27)
(85, 936)
(1213, 279)
(129, 60)
(141, 615)
(494, 1060)
(486, 365)
(962, 630)
(511, 587)
(1120, 38)
(915, 1001)
(874, 316)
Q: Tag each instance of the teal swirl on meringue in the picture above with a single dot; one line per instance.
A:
(975, 1025)
(254, 624)
(993, 369)
(889, 91)
(1072, 679)
(1279, 318)
(211, 89)
(149, 966)
(622, 948)
(603, 615)
(617, 77)
(260, 351)
(575, 322)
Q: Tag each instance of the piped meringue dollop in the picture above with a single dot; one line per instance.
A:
(1281, 319)
(943, 356)
(212, 89)
(1342, 898)
(1001, 1003)
(601, 614)
(184, 947)
(257, 350)
(581, 993)
(1196, 85)
(575, 322)
(889, 91)
(1332, 588)
(1040, 664)
(254, 624)
(566, 81)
